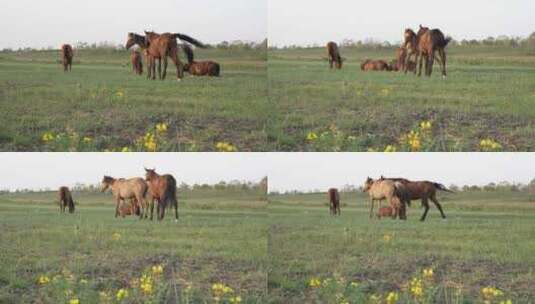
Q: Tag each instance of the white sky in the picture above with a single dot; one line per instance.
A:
(31, 23)
(310, 171)
(304, 22)
(286, 171)
(52, 170)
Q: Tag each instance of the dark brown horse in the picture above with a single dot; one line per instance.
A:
(165, 45)
(429, 42)
(137, 62)
(201, 68)
(162, 188)
(65, 200)
(334, 201)
(374, 65)
(67, 54)
(423, 190)
(333, 53)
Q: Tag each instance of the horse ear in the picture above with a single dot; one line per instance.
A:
(421, 27)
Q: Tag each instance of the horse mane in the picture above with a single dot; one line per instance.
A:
(189, 53)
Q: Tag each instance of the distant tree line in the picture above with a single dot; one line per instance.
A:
(112, 46)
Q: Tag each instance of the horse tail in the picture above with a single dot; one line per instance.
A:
(446, 41)
(71, 205)
(217, 69)
(170, 192)
(442, 187)
(188, 52)
(189, 39)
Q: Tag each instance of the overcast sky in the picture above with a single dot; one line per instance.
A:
(304, 22)
(52, 170)
(31, 23)
(310, 171)
(286, 171)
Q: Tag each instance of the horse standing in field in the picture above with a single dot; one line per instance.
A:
(401, 57)
(137, 62)
(423, 190)
(201, 68)
(334, 201)
(123, 189)
(65, 200)
(374, 65)
(67, 54)
(410, 44)
(379, 190)
(165, 45)
(162, 189)
(429, 42)
(143, 43)
(333, 53)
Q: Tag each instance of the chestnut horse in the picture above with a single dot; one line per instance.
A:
(137, 63)
(423, 190)
(334, 201)
(66, 57)
(401, 57)
(385, 212)
(410, 44)
(164, 45)
(123, 189)
(201, 68)
(333, 53)
(143, 43)
(65, 200)
(131, 208)
(374, 65)
(379, 190)
(429, 42)
(163, 189)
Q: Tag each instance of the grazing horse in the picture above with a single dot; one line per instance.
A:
(384, 189)
(201, 68)
(374, 65)
(164, 45)
(423, 190)
(66, 57)
(65, 200)
(333, 53)
(429, 42)
(137, 63)
(123, 189)
(334, 201)
(163, 189)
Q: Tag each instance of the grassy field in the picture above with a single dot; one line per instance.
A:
(486, 241)
(221, 238)
(488, 95)
(102, 105)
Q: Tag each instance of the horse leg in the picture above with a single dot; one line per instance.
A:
(442, 54)
(151, 208)
(164, 67)
(430, 62)
(406, 63)
(176, 211)
(435, 201)
(178, 65)
(425, 203)
(420, 65)
(162, 209)
(117, 203)
(371, 208)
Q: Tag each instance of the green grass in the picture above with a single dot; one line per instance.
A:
(487, 240)
(36, 97)
(489, 93)
(226, 243)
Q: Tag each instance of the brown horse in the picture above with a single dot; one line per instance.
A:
(201, 68)
(401, 57)
(429, 42)
(143, 43)
(123, 189)
(374, 65)
(162, 188)
(385, 212)
(67, 54)
(379, 190)
(137, 63)
(334, 201)
(165, 45)
(410, 44)
(333, 53)
(65, 200)
(423, 190)
(131, 208)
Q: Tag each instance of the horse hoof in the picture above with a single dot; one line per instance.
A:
(178, 79)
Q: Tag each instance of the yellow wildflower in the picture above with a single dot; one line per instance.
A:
(87, 139)
(392, 298)
(157, 269)
(354, 284)
(43, 280)
(116, 236)
(145, 283)
(225, 147)
(74, 301)
(120, 94)
(385, 92)
(509, 301)
(83, 281)
(48, 136)
(491, 292)
(161, 127)
(149, 142)
(428, 273)
(387, 237)
(426, 125)
(219, 289)
(416, 287)
(311, 136)
(390, 149)
(489, 145)
(121, 294)
(126, 149)
(314, 283)
(236, 299)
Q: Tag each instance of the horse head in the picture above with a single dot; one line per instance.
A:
(367, 184)
(150, 173)
(106, 183)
